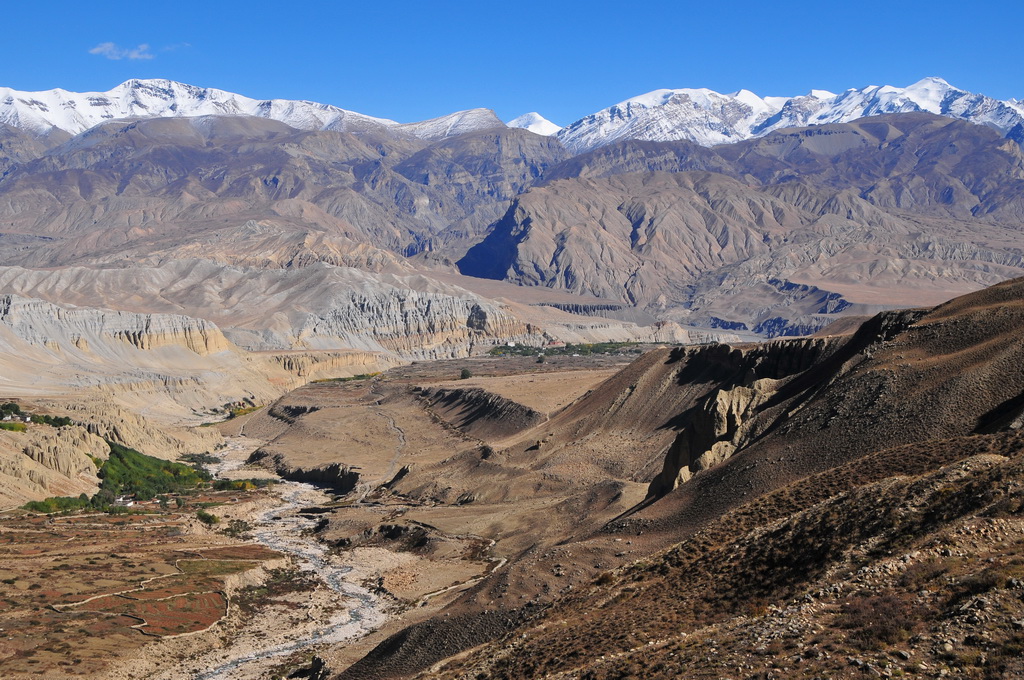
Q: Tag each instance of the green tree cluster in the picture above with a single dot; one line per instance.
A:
(53, 421)
(9, 409)
(566, 350)
(207, 518)
(12, 409)
(128, 472)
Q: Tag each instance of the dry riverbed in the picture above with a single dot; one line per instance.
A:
(178, 600)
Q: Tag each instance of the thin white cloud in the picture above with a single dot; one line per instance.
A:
(177, 46)
(112, 51)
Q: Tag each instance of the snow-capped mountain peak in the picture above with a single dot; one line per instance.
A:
(696, 114)
(75, 112)
(535, 123)
(453, 124)
(709, 118)
(700, 115)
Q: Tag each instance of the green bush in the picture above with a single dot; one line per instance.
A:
(361, 376)
(207, 518)
(53, 421)
(58, 504)
(13, 427)
(569, 349)
(240, 484)
(237, 528)
(129, 472)
(466, 373)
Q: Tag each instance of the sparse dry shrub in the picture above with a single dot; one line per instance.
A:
(1007, 507)
(1007, 659)
(873, 621)
(757, 607)
(976, 584)
(920, 573)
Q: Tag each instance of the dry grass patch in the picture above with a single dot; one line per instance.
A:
(51, 566)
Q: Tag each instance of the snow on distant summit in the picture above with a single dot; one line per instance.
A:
(75, 112)
(698, 115)
(536, 123)
(709, 118)
(453, 124)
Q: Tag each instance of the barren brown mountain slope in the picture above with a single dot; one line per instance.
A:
(784, 448)
(914, 161)
(907, 563)
(133, 189)
(776, 233)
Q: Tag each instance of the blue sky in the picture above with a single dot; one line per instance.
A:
(415, 60)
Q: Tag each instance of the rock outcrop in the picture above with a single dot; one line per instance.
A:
(47, 325)
(106, 420)
(46, 461)
(67, 450)
(338, 477)
(480, 413)
(719, 428)
(165, 364)
(316, 365)
(415, 325)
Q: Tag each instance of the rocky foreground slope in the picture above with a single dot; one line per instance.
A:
(838, 506)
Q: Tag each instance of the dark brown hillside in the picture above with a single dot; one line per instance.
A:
(842, 470)
(616, 433)
(858, 567)
(935, 378)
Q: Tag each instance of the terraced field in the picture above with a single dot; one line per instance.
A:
(83, 591)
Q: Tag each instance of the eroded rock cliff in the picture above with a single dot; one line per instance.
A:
(46, 461)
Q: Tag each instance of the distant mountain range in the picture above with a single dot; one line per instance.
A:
(652, 233)
(697, 115)
(709, 118)
(75, 112)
